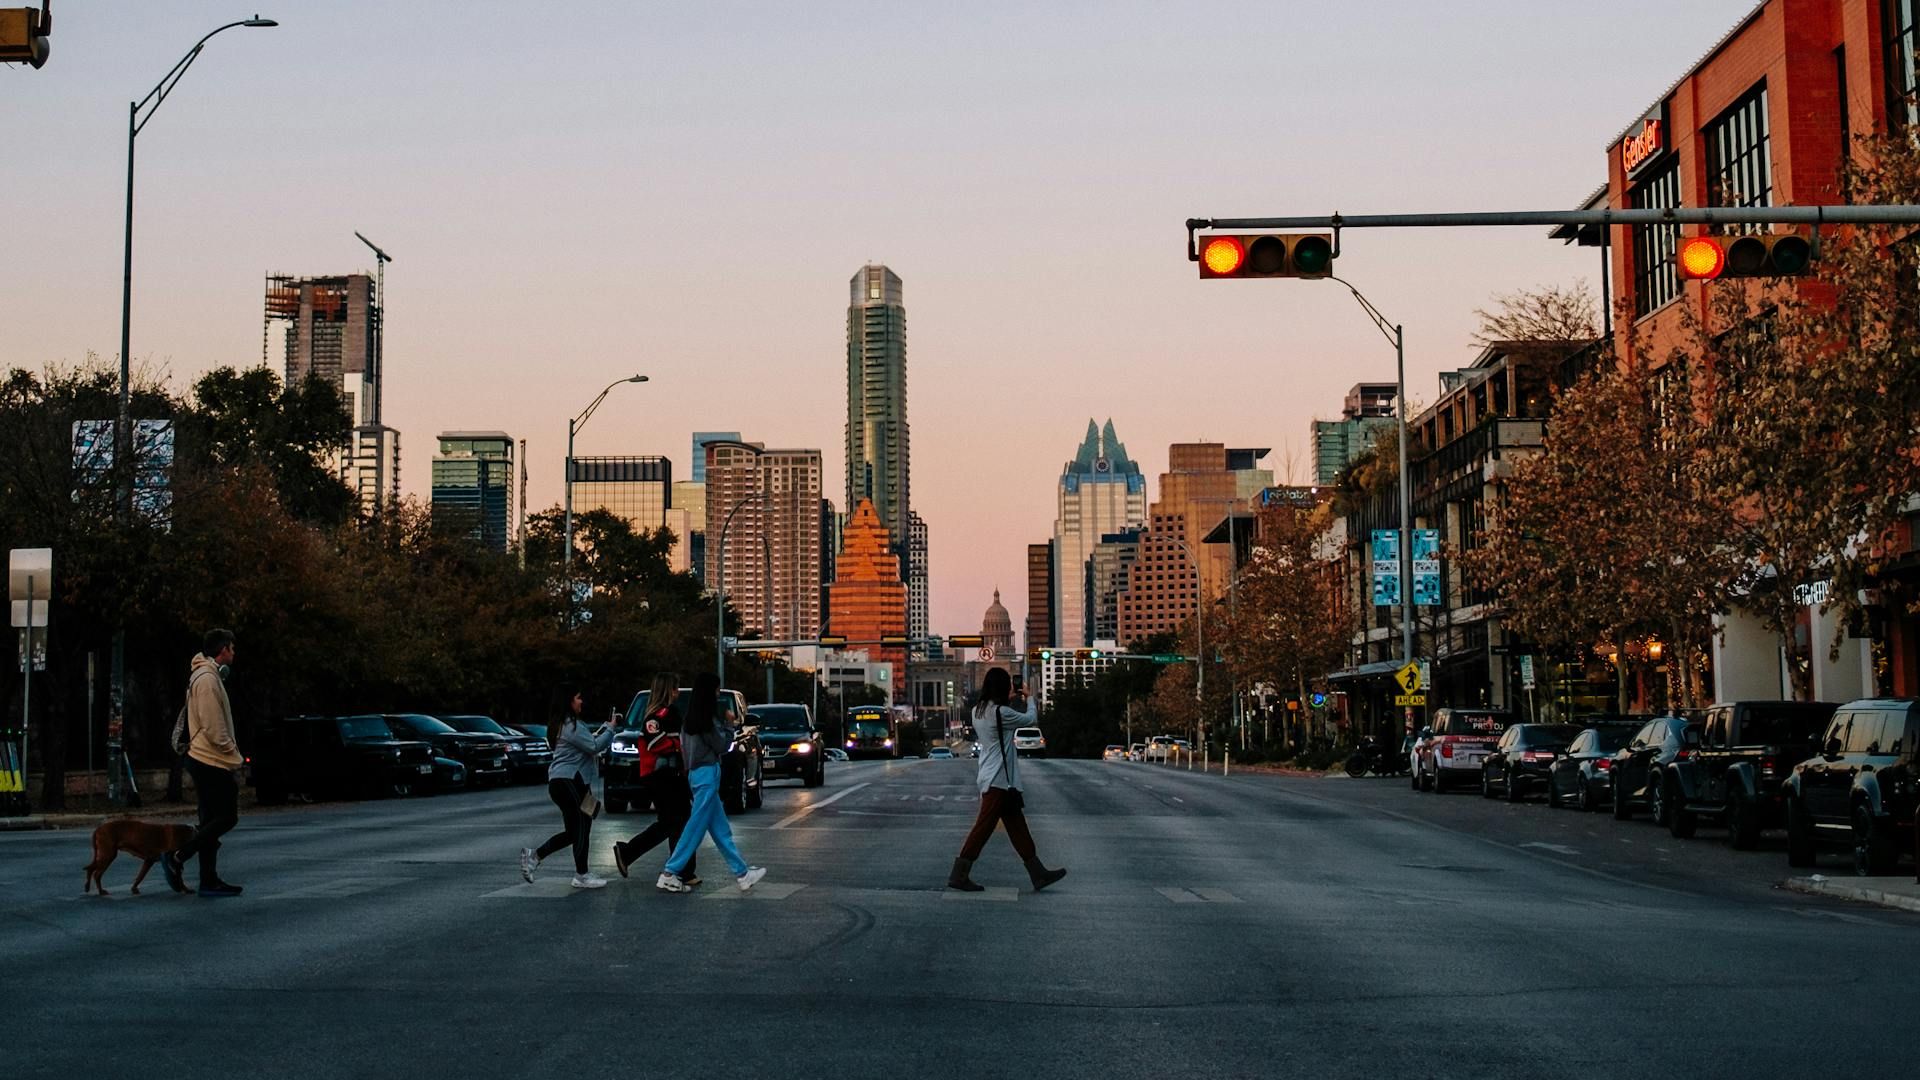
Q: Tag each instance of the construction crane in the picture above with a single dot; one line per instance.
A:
(378, 362)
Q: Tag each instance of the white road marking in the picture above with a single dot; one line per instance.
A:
(1560, 849)
(772, 890)
(811, 807)
(1198, 896)
(999, 893)
(331, 890)
(541, 889)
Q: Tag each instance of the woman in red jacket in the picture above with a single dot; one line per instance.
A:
(663, 770)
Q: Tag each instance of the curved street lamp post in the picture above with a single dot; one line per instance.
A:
(573, 426)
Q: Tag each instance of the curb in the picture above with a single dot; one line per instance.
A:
(40, 822)
(1906, 899)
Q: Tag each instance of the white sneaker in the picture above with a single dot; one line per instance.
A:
(528, 861)
(588, 881)
(752, 877)
(670, 883)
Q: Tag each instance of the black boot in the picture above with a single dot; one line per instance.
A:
(958, 879)
(1041, 876)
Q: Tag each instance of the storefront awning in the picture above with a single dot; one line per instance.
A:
(1378, 670)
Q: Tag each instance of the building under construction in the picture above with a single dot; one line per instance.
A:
(331, 328)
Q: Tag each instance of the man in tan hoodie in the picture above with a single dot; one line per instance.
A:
(214, 760)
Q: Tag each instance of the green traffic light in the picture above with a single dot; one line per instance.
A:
(1312, 255)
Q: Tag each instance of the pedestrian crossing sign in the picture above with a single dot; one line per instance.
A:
(1409, 678)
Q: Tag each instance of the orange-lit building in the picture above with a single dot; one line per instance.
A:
(867, 600)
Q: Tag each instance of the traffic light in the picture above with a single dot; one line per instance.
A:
(1271, 255)
(1759, 255)
(23, 35)
(832, 640)
(1046, 654)
(1093, 654)
(965, 641)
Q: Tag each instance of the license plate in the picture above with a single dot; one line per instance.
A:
(424, 768)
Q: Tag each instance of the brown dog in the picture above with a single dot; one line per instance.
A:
(143, 839)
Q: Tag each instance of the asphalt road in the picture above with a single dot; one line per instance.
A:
(1220, 927)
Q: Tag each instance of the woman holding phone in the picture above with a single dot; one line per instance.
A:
(705, 734)
(999, 714)
(570, 782)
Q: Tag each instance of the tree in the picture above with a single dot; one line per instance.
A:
(1564, 315)
(1291, 625)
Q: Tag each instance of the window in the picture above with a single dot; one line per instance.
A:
(1655, 279)
(1865, 736)
(1903, 77)
(1739, 154)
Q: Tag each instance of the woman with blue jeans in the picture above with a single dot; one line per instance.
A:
(705, 734)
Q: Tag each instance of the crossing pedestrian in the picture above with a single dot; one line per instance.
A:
(995, 719)
(705, 734)
(663, 774)
(570, 783)
(214, 761)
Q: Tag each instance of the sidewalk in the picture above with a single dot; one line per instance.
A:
(1893, 892)
(85, 820)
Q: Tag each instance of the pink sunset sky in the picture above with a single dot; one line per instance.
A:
(574, 192)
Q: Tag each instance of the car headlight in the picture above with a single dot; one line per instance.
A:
(514, 746)
(886, 742)
(802, 748)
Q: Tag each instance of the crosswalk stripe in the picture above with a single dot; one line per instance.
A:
(999, 893)
(772, 890)
(1198, 896)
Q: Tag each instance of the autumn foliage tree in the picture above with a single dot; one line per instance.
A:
(1290, 624)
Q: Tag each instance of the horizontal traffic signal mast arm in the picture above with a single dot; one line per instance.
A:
(1679, 215)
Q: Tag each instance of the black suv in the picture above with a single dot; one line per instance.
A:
(790, 747)
(1523, 759)
(1860, 787)
(319, 756)
(1640, 767)
(527, 757)
(1738, 775)
(740, 770)
(483, 755)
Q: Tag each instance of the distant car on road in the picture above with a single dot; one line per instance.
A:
(1159, 748)
(940, 753)
(790, 748)
(740, 775)
(1029, 741)
(1114, 752)
(326, 756)
(1137, 752)
(834, 753)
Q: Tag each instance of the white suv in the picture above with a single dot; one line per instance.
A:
(1028, 740)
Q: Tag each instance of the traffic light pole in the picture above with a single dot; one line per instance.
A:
(1678, 215)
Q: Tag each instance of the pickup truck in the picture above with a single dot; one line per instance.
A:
(1453, 749)
(1737, 776)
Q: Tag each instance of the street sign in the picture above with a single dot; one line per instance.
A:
(1386, 568)
(1319, 700)
(1409, 678)
(1410, 699)
(987, 654)
(1426, 673)
(1526, 673)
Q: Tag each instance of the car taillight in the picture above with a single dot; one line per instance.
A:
(1446, 750)
(1603, 764)
(1767, 765)
(1536, 755)
(1684, 755)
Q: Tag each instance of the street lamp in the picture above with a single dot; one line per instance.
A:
(1395, 333)
(123, 425)
(720, 590)
(573, 426)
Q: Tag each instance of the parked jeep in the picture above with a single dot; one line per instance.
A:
(334, 757)
(1861, 787)
(1737, 776)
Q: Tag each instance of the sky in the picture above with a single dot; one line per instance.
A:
(575, 192)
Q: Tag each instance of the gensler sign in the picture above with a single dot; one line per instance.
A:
(1646, 146)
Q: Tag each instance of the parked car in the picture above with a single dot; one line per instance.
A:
(740, 768)
(448, 774)
(1452, 750)
(941, 753)
(1738, 776)
(1158, 748)
(1029, 741)
(1523, 758)
(1137, 752)
(1583, 772)
(1114, 752)
(790, 747)
(482, 756)
(527, 757)
(1861, 788)
(326, 756)
(1640, 767)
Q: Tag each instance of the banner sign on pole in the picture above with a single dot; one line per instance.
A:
(1426, 567)
(1526, 673)
(1386, 568)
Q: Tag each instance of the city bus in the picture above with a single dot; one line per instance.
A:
(872, 732)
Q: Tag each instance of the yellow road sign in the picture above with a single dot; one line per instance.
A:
(1409, 678)
(1410, 699)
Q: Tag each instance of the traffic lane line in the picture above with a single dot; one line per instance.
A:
(811, 807)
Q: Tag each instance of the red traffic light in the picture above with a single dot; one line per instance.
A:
(1702, 259)
(1267, 255)
(1755, 255)
(1223, 256)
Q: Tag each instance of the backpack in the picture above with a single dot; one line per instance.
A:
(182, 739)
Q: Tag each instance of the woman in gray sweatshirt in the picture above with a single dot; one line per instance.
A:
(570, 779)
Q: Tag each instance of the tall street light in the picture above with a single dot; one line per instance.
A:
(720, 590)
(573, 426)
(138, 113)
(1395, 333)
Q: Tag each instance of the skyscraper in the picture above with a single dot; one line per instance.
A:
(700, 441)
(771, 560)
(918, 616)
(637, 487)
(877, 443)
(473, 478)
(1174, 568)
(333, 328)
(1107, 581)
(867, 600)
(1369, 409)
(1040, 596)
(1102, 491)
